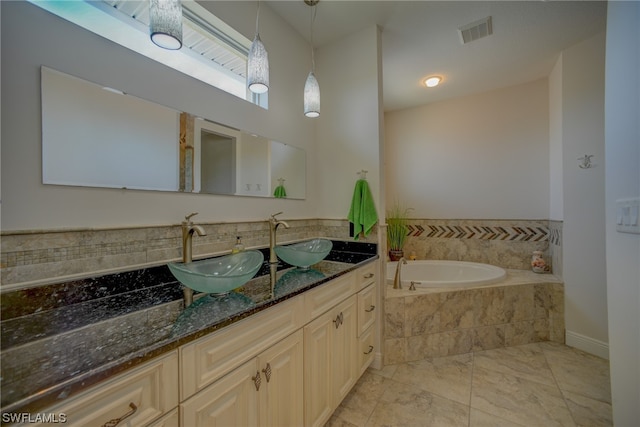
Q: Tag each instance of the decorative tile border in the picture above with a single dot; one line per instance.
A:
(505, 243)
(513, 233)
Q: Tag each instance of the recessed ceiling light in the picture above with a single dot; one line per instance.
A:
(432, 81)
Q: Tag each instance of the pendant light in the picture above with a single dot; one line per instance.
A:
(258, 63)
(165, 23)
(311, 87)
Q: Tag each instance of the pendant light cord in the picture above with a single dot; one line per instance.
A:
(313, 19)
(257, 17)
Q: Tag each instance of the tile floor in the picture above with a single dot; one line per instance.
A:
(543, 384)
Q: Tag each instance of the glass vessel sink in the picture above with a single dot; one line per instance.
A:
(218, 275)
(304, 254)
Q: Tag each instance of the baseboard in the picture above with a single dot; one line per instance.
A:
(587, 344)
(377, 361)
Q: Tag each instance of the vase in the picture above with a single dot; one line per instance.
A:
(538, 264)
(395, 254)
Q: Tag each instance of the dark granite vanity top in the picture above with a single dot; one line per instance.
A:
(60, 339)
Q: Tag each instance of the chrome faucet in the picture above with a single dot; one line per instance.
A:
(273, 226)
(188, 228)
(397, 281)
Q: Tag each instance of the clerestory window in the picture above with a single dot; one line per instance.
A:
(212, 51)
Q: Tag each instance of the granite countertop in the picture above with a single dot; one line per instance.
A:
(58, 340)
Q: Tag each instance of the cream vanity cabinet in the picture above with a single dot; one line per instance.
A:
(139, 397)
(333, 341)
(288, 365)
(266, 390)
(239, 376)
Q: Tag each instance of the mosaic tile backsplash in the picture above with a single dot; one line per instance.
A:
(32, 258)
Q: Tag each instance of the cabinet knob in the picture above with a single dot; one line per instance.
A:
(339, 320)
(114, 422)
(256, 380)
(370, 350)
(370, 309)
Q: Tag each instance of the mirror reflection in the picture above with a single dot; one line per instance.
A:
(100, 137)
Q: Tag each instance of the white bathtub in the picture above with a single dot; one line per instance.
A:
(445, 274)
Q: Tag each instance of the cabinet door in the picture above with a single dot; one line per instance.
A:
(318, 336)
(230, 401)
(281, 367)
(172, 419)
(344, 355)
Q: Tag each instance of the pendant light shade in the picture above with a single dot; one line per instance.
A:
(165, 23)
(311, 96)
(258, 67)
(311, 86)
(258, 63)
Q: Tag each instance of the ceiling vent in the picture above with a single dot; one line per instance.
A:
(475, 30)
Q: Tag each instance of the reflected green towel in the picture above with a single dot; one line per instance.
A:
(280, 192)
(363, 213)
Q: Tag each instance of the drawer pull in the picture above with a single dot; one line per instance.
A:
(370, 309)
(369, 275)
(267, 372)
(257, 381)
(370, 350)
(114, 422)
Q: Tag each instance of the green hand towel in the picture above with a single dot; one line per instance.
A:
(280, 192)
(363, 213)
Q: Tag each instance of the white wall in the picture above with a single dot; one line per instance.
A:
(349, 132)
(32, 37)
(483, 156)
(622, 146)
(556, 206)
(583, 252)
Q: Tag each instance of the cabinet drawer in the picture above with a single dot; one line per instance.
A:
(150, 387)
(317, 301)
(366, 308)
(367, 274)
(209, 358)
(366, 350)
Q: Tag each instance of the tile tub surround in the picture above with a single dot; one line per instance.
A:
(59, 339)
(505, 243)
(37, 257)
(524, 308)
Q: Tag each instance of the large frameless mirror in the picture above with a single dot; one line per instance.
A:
(100, 137)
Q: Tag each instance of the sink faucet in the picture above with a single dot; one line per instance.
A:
(273, 226)
(188, 228)
(397, 281)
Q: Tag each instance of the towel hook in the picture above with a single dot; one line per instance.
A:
(281, 181)
(363, 174)
(585, 161)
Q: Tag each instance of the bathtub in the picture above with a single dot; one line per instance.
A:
(445, 274)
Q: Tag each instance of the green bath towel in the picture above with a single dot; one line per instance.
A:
(280, 192)
(363, 213)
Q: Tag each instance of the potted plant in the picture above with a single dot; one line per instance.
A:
(397, 230)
